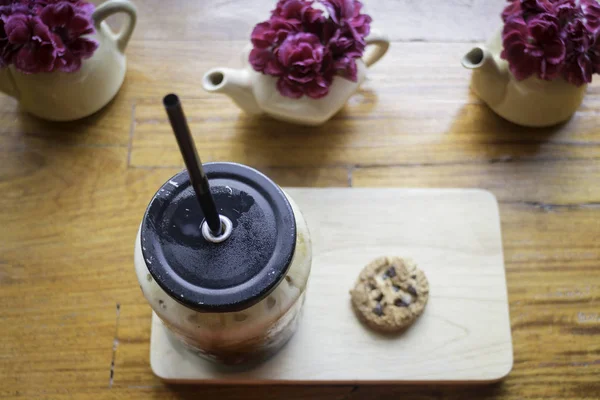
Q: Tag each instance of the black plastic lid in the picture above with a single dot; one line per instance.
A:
(227, 276)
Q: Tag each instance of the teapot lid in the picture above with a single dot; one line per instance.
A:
(231, 275)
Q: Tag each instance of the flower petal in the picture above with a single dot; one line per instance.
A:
(83, 47)
(57, 15)
(31, 59)
(69, 62)
(289, 89)
(18, 29)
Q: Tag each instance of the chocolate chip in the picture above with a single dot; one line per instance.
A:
(411, 289)
(396, 288)
(372, 287)
(391, 272)
(380, 297)
(413, 276)
(378, 310)
(400, 303)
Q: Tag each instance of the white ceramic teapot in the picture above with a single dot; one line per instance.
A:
(256, 93)
(62, 96)
(531, 102)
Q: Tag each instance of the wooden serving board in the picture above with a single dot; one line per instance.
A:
(463, 335)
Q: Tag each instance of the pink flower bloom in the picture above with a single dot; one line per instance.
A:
(534, 47)
(579, 66)
(526, 8)
(69, 25)
(361, 23)
(354, 25)
(265, 37)
(578, 69)
(305, 48)
(348, 41)
(82, 7)
(586, 11)
(512, 9)
(551, 38)
(7, 49)
(346, 67)
(273, 32)
(38, 45)
(45, 35)
(298, 10)
(307, 67)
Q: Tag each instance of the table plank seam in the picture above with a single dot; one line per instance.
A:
(131, 133)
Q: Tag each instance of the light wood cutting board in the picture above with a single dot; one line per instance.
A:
(464, 334)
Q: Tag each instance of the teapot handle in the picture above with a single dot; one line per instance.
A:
(377, 45)
(111, 7)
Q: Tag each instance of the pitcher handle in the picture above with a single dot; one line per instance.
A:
(111, 7)
(377, 45)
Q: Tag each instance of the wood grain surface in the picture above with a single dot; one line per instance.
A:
(73, 323)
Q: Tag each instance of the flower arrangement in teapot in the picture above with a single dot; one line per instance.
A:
(552, 38)
(305, 49)
(46, 35)
(59, 58)
(534, 71)
(304, 62)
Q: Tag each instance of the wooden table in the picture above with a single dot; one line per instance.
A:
(73, 322)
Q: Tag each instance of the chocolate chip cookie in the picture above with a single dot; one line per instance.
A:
(390, 294)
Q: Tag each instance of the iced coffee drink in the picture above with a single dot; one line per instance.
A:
(234, 295)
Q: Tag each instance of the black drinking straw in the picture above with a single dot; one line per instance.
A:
(192, 162)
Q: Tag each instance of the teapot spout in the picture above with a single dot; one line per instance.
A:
(490, 78)
(476, 58)
(234, 83)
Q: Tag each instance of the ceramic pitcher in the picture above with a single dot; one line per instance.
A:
(257, 93)
(62, 96)
(531, 102)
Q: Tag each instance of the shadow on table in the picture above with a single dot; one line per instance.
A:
(379, 392)
(269, 144)
(496, 137)
(69, 133)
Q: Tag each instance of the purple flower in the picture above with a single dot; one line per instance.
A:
(348, 40)
(578, 69)
(581, 20)
(361, 23)
(305, 48)
(298, 10)
(82, 7)
(512, 9)
(45, 35)
(69, 25)
(307, 67)
(346, 67)
(37, 51)
(534, 47)
(526, 8)
(586, 11)
(273, 32)
(353, 25)
(551, 38)
(7, 49)
(267, 36)
(579, 66)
